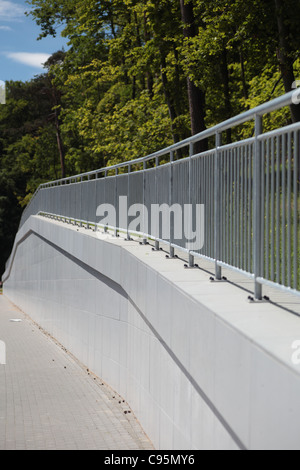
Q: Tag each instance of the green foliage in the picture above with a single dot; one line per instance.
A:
(121, 91)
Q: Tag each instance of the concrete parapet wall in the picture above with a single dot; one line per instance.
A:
(200, 367)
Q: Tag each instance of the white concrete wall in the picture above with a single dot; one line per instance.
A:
(200, 367)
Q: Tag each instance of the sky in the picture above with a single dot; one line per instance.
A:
(21, 54)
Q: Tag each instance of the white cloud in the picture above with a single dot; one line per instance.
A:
(33, 59)
(10, 11)
(5, 28)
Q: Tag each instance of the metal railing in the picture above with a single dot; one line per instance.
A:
(249, 189)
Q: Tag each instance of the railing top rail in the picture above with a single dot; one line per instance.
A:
(270, 106)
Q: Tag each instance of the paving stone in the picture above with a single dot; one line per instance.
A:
(48, 400)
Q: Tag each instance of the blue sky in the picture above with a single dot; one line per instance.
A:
(21, 55)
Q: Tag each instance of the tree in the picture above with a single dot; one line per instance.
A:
(195, 93)
(286, 53)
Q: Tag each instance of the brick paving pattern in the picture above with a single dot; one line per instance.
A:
(48, 400)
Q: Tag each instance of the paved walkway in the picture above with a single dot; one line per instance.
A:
(50, 401)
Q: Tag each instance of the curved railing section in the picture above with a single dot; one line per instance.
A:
(236, 204)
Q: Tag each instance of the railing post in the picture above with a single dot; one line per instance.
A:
(257, 196)
(95, 184)
(80, 209)
(172, 251)
(144, 202)
(191, 153)
(217, 225)
(128, 199)
(156, 247)
(105, 194)
(116, 203)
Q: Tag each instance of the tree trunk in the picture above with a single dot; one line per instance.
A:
(285, 58)
(58, 135)
(149, 77)
(243, 74)
(133, 95)
(168, 98)
(180, 106)
(195, 95)
(227, 101)
(60, 148)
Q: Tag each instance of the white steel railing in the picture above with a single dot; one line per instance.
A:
(249, 191)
